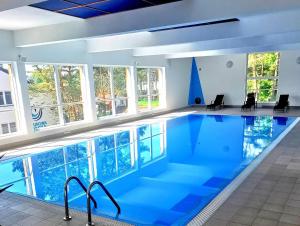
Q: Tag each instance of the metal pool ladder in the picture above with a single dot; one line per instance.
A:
(89, 197)
(66, 197)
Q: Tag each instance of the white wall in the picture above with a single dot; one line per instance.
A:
(216, 78)
(289, 76)
(178, 76)
(8, 51)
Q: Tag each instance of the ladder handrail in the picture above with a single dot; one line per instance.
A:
(66, 197)
(89, 197)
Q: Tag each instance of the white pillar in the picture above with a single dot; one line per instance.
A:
(132, 90)
(23, 108)
(88, 93)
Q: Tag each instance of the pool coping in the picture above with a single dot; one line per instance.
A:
(203, 216)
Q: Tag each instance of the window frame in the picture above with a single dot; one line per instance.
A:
(273, 78)
(60, 105)
(149, 91)
(113, 99)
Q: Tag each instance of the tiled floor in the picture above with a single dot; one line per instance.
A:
(269, 196)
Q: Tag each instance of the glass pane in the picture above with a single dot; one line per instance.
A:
(13, 127)
(265, 90)
(145, 150)
(120, 81)
(121, 105)
(7, 117)
(73, 112)
(41, 85)
(8, 98)
(44, 117)
(124, 159)
(143, 103)
(154, 81)
(7, 110)
(142, 81)
(156, 129)
(11, 171)
(70, 83)
(154, 101)
(263, 64)
(260, 67)
(104, 143)
(107, 165)
(144, 132)
(5, 128)
(1, 98)
(122, 138)
(76, 152)
(102, 83)
(104, 108)
(156, 146)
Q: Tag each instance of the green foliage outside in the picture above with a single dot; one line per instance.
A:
(143, 103)
(42, 91)
(262, 75)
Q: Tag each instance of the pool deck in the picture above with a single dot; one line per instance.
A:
(270, 195)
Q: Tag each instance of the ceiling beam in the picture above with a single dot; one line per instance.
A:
(179, 13)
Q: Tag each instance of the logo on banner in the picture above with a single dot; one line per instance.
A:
(37, 114)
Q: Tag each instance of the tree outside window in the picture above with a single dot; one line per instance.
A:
(111, 90)
(149, 83)
(54, 94)
(262, 76)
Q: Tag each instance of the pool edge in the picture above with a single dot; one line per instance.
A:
(202, 217)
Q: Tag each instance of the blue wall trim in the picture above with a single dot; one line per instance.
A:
(195, 85)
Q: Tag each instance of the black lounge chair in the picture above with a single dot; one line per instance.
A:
(282, 104)
(250, 102)
(218, 103)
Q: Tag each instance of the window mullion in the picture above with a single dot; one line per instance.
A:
(58, 95)
(113, 104)
(148, 89)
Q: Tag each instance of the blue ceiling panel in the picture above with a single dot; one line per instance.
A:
(91, 8)
(121, 5)
(54, 5)
(83, 13)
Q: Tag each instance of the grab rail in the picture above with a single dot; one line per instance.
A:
(66, 198)
(89, 197)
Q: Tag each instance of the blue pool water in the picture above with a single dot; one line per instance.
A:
(160, 174)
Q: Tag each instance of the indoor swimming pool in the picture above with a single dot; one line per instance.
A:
(163, 173)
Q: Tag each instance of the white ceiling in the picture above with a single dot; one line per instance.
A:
(29, 17)
(11, 4)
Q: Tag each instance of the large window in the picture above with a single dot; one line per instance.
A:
(149, 86)
(71, 97)
(262, 76)
(55, 94)
(111, 90)
(7, 106)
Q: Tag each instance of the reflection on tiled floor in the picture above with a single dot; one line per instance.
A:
(269, 196)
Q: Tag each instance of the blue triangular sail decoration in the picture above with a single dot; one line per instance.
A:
(195, 85)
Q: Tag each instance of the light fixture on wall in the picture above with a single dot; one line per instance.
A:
(298, 60)
(229, 64)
